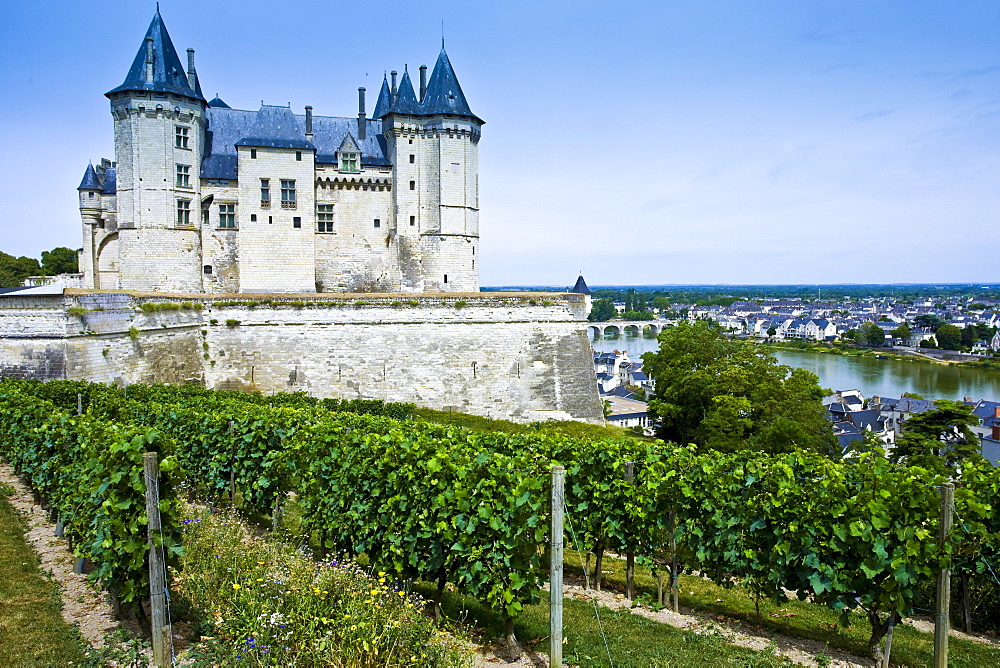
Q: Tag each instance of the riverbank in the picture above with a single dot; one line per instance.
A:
(945, 357)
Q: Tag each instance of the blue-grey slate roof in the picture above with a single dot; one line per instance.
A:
(384, 100)
(581, 286)
(444, 94)
(110, 181)
(279, 126)
(217, 102)
(169, 75)
(90, 180)
(406, 99)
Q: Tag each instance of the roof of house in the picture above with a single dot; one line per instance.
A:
(169, 75)
(100, 178)
(443, 95)
(581, 286)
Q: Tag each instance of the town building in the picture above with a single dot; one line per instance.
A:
(202, 197)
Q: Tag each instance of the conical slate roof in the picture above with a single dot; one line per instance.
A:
(384, 100)
(168, 72)
(444, 94)
(90, 180)
(218, 103)
(581, 286)
(406, 99)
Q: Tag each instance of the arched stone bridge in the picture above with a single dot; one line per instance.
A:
(631, 327)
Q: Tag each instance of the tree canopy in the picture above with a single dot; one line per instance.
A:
(732, 395)
(871, 334)
(940, 439)
(949, 337)
(602, 311)
(13, 270)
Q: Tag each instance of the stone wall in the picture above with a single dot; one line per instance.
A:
(518, 356)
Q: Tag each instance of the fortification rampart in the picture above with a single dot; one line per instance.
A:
(518, 356)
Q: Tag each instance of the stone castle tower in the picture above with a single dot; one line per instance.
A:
(206, 198)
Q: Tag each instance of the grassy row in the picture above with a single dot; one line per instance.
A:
(32, 630)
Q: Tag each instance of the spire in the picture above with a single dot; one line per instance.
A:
(383, 102)
(90, 179)
(157, 67)
(581, 286)
(406, 99)
(444, 94)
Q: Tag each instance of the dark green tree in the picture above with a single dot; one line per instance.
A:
(940, 439)
(59, 261)
(13, 270)
(902, 332)
(602, 311)
(871, 335)
(928, 320)
(732, 395)
(949, 337)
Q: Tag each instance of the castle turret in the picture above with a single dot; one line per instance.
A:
(434, 142)
(159, 117)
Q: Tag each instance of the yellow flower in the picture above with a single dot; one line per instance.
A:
(260, 579)
(236, 586)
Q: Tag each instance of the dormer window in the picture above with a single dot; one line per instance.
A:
(348, 162)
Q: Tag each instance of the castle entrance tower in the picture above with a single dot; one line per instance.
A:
(159, 117)
(433, 139)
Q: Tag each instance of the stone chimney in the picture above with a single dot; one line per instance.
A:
(309, 123)
(423, 82)
(392, 86)
(362, 123)
(192, 75)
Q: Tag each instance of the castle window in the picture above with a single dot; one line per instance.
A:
(413, 158)
(297, 221)
(324, 218)
(205, 216)
(298, 156)
(265, 193)
(227, 216)
(348, 162)
(378, 223)
(207, 269)
(413, 221)
(287, 194)
(91, 195)
(413, 185)
(253, 153)
(253, 217)
(180, 136)
(184, 176)
(446, 278)
(183, 212)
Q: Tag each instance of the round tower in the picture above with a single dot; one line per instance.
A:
(434, 143)
(159, 120)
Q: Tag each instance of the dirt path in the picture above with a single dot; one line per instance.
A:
(83, 604)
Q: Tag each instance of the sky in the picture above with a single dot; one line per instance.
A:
(670, 142)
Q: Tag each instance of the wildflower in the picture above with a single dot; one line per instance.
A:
(260, 579)
(236, 586)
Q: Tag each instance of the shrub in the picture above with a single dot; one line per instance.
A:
(78, 311)
(232, 323)
(133, 333)
(461, 303)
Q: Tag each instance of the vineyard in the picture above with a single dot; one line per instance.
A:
(470, 509)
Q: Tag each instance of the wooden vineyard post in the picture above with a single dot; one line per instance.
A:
(941, 620)
(674, 586)
(157, 570)
(630, 555)
(556, 567)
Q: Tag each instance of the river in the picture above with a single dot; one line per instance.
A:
(887, 378)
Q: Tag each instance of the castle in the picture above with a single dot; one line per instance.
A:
(206, 198)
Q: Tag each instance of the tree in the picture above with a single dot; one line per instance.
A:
(638, 315)
(871, 334)
(940, 439)
(602, 311)
(928, 320)
(902, 332)
(771, 331)
(59, 260)
(13, 270)
(949, 337)
(661, 303)
(732, 395)
(852, 335)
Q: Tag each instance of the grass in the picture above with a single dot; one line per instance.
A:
(266, 602)
(632, 641)
(560, 427)
(32, 631)
(799, 619)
